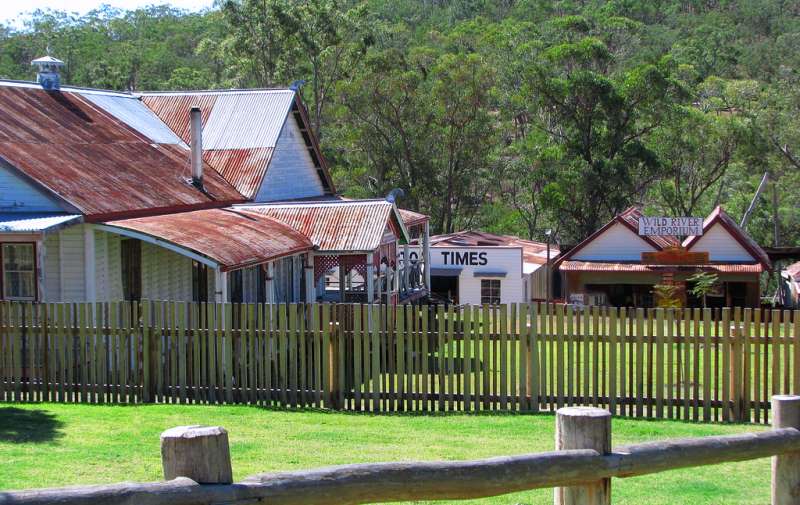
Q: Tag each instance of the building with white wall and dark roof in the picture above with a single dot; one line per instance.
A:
(181, 196)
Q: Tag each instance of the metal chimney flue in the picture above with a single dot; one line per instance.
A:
(196, 156)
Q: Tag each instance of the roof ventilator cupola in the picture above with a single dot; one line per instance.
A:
(48, 75)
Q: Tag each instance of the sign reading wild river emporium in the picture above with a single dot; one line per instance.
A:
(671, 226)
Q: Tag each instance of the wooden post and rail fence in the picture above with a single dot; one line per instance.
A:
(197, 465)
(690, 364)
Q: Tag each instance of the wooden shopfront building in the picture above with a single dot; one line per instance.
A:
(618, 266)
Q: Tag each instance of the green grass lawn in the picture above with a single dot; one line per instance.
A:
(44, 445)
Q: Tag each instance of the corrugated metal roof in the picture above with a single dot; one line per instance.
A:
(246, 124)
(231, 238)
(631, 217)
(597, 266)
(532, 252)
(173, 110)
(411, 218)
(16, 222)
(243, 168)
(247, 120)
(131, 111)
(334, 226)
(95, 162)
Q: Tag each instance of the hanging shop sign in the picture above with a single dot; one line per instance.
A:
(671, 226)
(676, 255)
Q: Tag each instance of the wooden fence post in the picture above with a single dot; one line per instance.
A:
(741, 412)
(786, 467)
(333, 368)
(200, 453)
(584, 428)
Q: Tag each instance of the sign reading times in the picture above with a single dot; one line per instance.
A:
(471, 258)
(676, 226)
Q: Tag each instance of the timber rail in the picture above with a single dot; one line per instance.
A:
(197, 460)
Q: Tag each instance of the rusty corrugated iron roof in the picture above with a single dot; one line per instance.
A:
(241, 128)
(244, 169)
(599, 266)
(232, 238)
(340, 226)
(131, 111)
(173, 109)
(96, 163)
(411, 218)
(631, 217)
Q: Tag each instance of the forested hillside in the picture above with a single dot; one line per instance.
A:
(509, 115)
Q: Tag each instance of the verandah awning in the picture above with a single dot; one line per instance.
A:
(231, 239)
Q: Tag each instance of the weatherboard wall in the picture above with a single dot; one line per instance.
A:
(291, 173)
(722, 246)
(165, 275)
(19, 195)
(617, 243)
(500, 263)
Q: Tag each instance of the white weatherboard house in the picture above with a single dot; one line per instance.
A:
(118, 196)
(474, 267)
(617, 266)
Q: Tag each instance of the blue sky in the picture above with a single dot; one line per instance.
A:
(13, 12)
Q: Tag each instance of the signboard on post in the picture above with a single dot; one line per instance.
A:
(672, 226)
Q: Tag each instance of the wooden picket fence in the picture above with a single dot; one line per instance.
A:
(689, 364)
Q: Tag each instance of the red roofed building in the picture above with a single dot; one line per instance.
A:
(119, 196)
(618, 266)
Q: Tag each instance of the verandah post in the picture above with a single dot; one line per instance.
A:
(584, 428)
(786, 467)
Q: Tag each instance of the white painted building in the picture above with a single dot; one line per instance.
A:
(119, 196)
(473, 267)
(617, 266)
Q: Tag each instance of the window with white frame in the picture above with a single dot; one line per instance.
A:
(490, 291)
(18, 265)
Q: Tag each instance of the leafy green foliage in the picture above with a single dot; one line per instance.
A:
(510, 115)
(703, 284)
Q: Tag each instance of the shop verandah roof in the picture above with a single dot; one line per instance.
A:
(229, 238)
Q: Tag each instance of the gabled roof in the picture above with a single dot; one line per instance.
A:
(231, 238)
(532, 251)
(411, 218)
(337, 226)
(70, 143)
(629, 219)
(719, 216)
(240, 129)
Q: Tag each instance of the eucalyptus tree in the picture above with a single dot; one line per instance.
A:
(595, 120)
